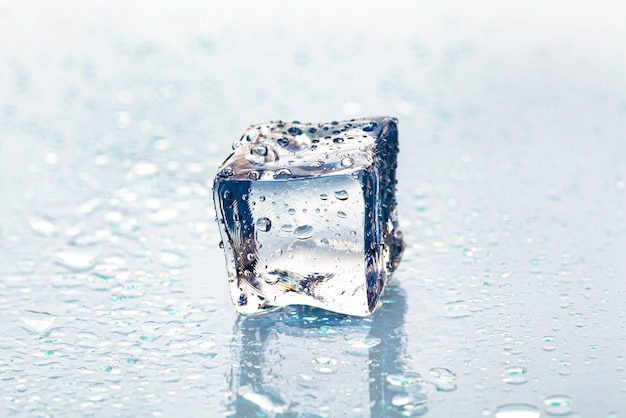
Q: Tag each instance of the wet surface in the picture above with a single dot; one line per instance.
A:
(510, 298)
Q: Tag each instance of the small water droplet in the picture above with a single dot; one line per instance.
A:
(410, 404)
(324, 241)
(227, 195)
(515, 375)
(338, 140)
(443, 379)
(263, 224)
(286, 228)
(323, 196)
(558, 405)
(341, 194)
(303, 232)
(405, 379)
(283, 141)
(362, 341)
(254, 175)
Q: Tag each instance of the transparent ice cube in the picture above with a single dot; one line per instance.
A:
(307, 214)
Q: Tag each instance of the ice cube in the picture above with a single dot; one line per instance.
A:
(307, 215)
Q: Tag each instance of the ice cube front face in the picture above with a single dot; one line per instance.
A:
(307, 214)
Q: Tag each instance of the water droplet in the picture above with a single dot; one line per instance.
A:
(303, 232)
(324, 241)
(76, 259)
(517, 410)
(515, 375)
(254, 175)
(456, 309)
(362, 342)
(291, 211)
(227, 195)
(341, 214)
(558, 405)
(323, 196)
(164, 216)
(347, 162)
(338, 140)
(272, 401)
(263, 224)
(324, 361)
(145, 168)
(282, 173)
(443, 379)
(405, 379)
(286, 228)
(283, 141)
(341, 194)
(173, 259)
(42, 226)
(410, 404)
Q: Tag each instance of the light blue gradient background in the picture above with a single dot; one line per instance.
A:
(512, 196)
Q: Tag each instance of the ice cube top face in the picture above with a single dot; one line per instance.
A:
(307, 214)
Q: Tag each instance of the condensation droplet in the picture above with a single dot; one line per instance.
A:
(517, 410)
(515, 375)
(443, 379)
(303, 232)
(263, 224)
(558, 405)
(341, 194)
(405, 379)
(42, 226)
(341, 214)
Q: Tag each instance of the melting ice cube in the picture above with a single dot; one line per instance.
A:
(307, 214)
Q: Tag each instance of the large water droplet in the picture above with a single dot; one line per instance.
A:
(303, 232)
(263, 224)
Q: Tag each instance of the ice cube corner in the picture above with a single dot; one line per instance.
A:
(307, 215)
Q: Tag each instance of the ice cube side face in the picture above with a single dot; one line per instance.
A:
(307, 215)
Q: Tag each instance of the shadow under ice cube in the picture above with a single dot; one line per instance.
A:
(307, 214)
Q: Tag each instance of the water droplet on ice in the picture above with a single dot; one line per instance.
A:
(263, 224)
(341, 194)
(303, 232)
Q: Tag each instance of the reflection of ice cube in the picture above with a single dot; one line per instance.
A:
(302, 362)
(307, 214)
